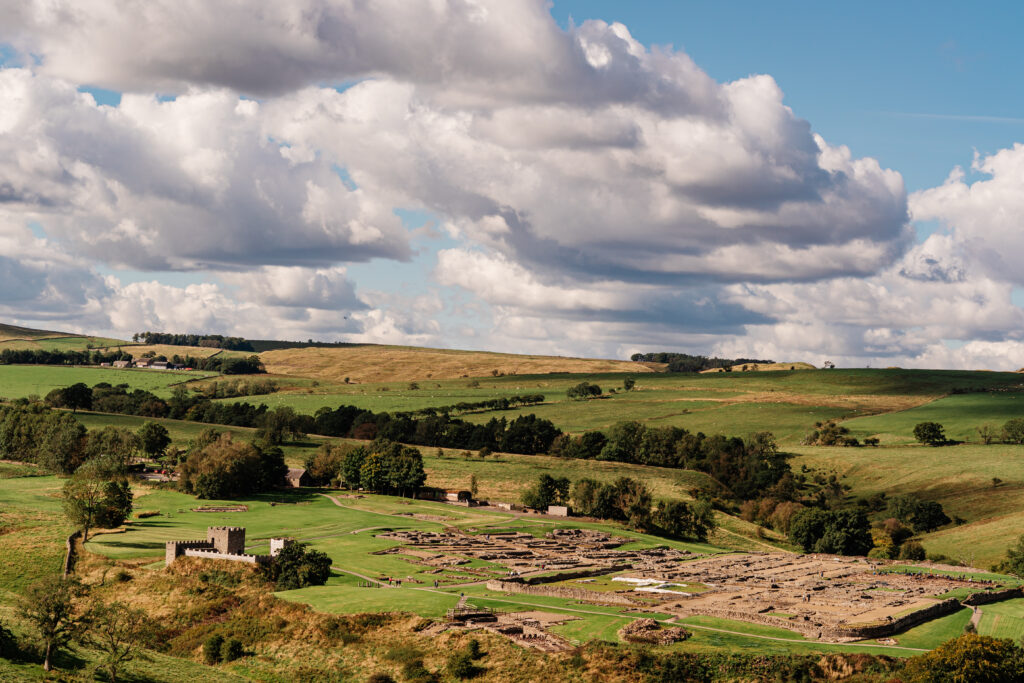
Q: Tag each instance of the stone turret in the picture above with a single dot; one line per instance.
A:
(279, 544)
(229, 540)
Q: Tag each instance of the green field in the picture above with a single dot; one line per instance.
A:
(20, 381)
(1003, 619)
(960, 415)
(960, 477)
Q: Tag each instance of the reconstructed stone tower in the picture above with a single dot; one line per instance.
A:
(229, 540)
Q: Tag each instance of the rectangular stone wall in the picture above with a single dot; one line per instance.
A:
(229, 540)
(174, 549)
(214, 555)
(597, 597)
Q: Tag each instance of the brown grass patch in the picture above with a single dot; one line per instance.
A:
(373, 363)
(865, 404)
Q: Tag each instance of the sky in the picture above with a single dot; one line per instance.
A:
(791, 181)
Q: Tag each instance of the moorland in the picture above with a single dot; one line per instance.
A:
(346, 630)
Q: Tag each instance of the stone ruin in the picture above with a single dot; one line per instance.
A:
(222, 543)
(650, 631)
(558, 550)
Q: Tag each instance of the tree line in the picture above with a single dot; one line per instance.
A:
(626, 500)
(215, 341)
(43, 357)
(250, 365)
(503, 403)
(743, 468)
(684, 362)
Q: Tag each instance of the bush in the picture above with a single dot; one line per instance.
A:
(380, 677)
(929, 433)
(912, 550)
(212, 648)
(231, 650)
(969, 659)
(460, 665)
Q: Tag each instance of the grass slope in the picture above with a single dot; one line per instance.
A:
(372, 363)
(960, 415)
(960, 477)
(18, 381)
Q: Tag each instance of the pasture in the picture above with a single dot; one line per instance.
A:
(20, 381)
(959, 477)
(960, 415)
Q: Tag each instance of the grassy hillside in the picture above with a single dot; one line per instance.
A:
(17, 381)
(959, 477)
(373, 363)
(960, 415)
(15, 332)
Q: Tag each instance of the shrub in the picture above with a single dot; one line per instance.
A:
(380, 677)
(929, 433)
(231, 650)
(969, 659)
(460, 665)
(212, 648)
(912, 550)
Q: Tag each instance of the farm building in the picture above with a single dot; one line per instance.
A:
(558, 510)
(122, 363)
(297, 477)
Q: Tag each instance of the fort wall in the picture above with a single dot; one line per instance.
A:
(985, 597)
(598, 597)
(175, 549)
(235, 557)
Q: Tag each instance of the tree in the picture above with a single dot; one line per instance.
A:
(929, 433)
(677, 519)
(968, 659)
(49, 607)
(912, 550)
(473, 487)
(1014, 562)
(628, 384)
(352, 467)
(547, 491)
(1013, 430)
(75, 396)
(583, 390)
(296, 566)
(114, 442)
(154, 439)
(987, 433)
(840, 532)
(90, 499)
(119, 632)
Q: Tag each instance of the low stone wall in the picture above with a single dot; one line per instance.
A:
(175, 549)
(214, 555)
(559, 592)
(888, 628)
(984, 597)
(69, 557)
(577, 574)
(837, 632)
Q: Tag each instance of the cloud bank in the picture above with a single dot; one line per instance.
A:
(602, 196)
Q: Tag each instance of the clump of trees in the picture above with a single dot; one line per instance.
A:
(214, 341)
(582, 391)
(626, 500)
(234, 388)
(968, 659)
(1013, 564)
(547, 491)
(297, 566)
(33, 433)
(684, 362)
(219, 467)
(922, 515)
(747, 469)
(43, 357)
(839, 532)
(97, 495)
(385, 467)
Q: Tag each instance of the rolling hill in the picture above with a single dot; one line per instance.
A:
(373, 363)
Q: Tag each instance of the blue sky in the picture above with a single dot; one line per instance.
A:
(523, 176)
(897, 81)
